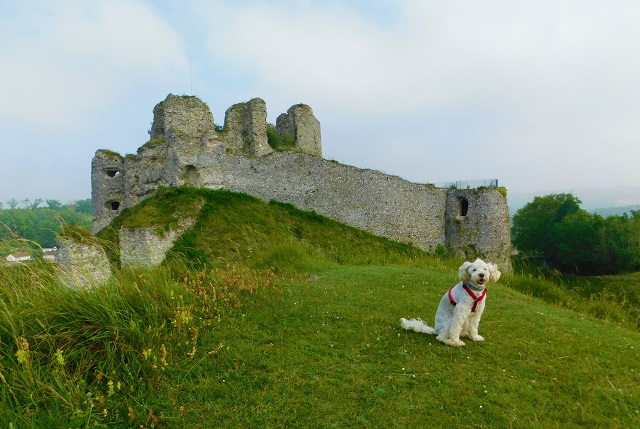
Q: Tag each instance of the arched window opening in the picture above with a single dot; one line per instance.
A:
(464, 206)
(113, 205)
(189, 175)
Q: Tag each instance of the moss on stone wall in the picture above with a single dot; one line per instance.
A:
(110, 154)
(153, 143)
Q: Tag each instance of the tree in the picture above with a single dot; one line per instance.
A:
(39, 226)
(533, 225)
(54, 204)
(36, 203)
(581, 244)
(622, 242)
(85, 206)
(574, 240)
(12, 203)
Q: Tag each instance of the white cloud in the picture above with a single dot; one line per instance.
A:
(63, 62)
(540, 58)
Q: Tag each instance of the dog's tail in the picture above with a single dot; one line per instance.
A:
(416, 325)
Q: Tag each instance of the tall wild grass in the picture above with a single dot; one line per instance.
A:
(74, 357)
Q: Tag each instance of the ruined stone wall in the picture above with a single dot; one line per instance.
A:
(379, 203)
(82, 265)
(186, 149)
(145, 247)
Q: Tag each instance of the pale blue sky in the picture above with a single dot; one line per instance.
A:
(542, 95)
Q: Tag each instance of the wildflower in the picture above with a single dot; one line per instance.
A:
(153, 419)
(22, 356)
(23, 351)
(59, 357)
(163, 356)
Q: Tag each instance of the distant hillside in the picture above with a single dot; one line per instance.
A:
(615, 211)
(233, 227)
(36, 227)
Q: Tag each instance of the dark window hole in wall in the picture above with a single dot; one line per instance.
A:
(113, 205)
(112, 173)
(464, 206)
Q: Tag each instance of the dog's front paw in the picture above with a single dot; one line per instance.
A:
(477, 338)
(452, 342)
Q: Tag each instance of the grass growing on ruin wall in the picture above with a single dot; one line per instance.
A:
(284, 143)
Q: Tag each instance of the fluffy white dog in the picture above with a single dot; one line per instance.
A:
(461, 308)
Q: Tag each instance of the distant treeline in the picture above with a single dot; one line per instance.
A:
(555, 232)
(25, 225)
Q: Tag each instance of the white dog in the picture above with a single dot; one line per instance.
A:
(460, 309)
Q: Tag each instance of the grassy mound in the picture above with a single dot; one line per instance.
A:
(238, 228)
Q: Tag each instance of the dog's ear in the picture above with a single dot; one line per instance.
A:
(495, 274)
(463, 272)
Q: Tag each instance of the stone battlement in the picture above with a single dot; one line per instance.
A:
(284, 162)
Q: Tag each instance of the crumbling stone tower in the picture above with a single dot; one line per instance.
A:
(477, 223)
(183, 135)
(245, 128)
(107, 187)
(300, 125)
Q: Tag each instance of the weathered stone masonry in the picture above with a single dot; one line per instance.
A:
(186, 149)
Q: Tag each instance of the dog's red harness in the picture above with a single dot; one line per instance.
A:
(476, 299)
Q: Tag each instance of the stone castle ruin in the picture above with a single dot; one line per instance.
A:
(186, 149)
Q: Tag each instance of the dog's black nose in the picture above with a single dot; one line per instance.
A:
(481, 274)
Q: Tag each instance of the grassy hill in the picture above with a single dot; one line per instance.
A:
(280, 318)
(237, 228)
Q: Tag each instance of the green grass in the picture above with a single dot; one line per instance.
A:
(328, 352)
(293, 322)
(239, 348)
(287, 142)
(613, 298)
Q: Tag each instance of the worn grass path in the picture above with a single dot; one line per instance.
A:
(327, 351)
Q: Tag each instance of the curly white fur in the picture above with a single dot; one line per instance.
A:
(455, 321)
